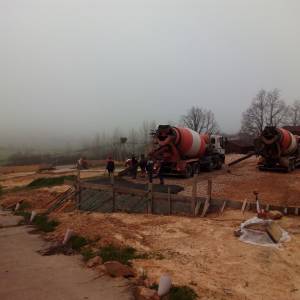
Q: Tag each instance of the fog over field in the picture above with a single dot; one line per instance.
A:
(70, 69)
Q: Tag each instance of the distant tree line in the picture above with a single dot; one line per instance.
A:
(267, 108)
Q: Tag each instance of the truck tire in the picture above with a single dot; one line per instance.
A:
(210, 166)
(219, 164)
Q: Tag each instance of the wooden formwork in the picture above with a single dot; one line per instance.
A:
(152, 202)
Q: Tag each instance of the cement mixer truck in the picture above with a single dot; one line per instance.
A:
(182, 151)
(278, 148)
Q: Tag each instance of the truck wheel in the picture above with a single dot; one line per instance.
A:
(188, 171)
(219, 164)
(210, 166)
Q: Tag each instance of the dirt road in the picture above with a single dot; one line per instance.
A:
(25, 274)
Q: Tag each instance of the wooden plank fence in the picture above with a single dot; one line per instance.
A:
(198, 205)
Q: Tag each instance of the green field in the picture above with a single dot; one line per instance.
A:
(4, 154)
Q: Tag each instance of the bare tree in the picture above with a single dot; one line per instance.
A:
(294, 114)
(133, 141)
(200, 120)
(267, 108)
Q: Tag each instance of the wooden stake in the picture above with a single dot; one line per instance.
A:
(194, 196)
(208, 198)
(112, 179)
(223, 206)
(205, 208)
(244, 206)
(150, 198)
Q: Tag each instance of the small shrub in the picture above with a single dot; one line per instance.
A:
(178, 292)
(77, 242)
(25, 214)
(49, 181)
(122, 255)
(24, 205)
(182, 293)
(43, 224)
(87, 254)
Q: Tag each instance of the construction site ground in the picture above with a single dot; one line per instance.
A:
(26, 275)
(200, 252)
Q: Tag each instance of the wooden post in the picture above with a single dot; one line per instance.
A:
(150, 198)
(244, 206)
(112, 179)
(223, 207)
(194, 196)
(170, 201)
(208, 198)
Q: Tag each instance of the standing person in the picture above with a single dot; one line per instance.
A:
(160, 173)
(149, 168)
(110, 166)
(143, 164)
(134, 166)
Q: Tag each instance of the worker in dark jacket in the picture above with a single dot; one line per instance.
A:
(110, 166)
(160, 173)
(134, 166)
(149, 168)
(143, 164)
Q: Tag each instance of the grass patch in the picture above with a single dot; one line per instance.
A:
(25, 214)
(87, 254)
(43, 224)
(182, 293)
(24, 205)
(122, 255)
(179, 292)
(49, 181)
(77, 242)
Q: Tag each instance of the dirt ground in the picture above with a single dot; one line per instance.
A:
(241, 180)
(200, 252)
(26, 275)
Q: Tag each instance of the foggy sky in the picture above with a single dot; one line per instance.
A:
(79, 67)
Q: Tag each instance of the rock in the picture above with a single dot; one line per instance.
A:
(143, 293)
(97, 260)
(116, 269)
(101, 269)
(274, 215)
(164, 285)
